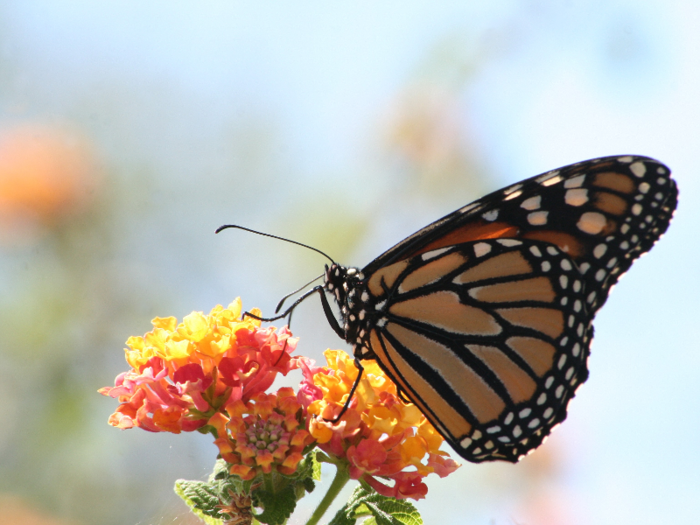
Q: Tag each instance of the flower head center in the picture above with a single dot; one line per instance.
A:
(266, 434)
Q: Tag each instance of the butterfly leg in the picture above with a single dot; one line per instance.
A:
(360, 369)
(329, 313)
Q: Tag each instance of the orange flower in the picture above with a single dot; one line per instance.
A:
(263, 434)
(46, 174)
(379, 434)
(183, 374)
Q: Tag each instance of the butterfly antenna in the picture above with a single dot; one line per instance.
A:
(225, 226)
(279, 305)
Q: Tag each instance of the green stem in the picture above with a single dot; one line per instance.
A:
(342, 476)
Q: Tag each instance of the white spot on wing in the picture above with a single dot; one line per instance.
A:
(490, 215)
(433, 253)
(509, 190)
(514, 195)
(537, 218)
(552, 181)
(481, 249)
(468, 207)
(508, 242)
(547, 176)
(638, 168)
(577, 197)
(533, 203)
(591, 222)
(574, 182)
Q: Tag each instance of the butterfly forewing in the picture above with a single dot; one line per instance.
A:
(483, 318)
(604, 213)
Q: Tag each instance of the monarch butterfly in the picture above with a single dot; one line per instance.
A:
(483, 319)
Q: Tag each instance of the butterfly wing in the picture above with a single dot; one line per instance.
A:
(483, 318)
(603, 212)
(489, 339)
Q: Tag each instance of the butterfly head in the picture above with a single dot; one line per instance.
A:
(346, 285)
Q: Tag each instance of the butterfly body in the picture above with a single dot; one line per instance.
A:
(483, 318)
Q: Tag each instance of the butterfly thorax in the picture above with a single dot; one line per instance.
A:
(349, 288)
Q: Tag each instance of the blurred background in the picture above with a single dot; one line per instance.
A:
(130, 130)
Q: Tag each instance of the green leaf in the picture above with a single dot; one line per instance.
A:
(201, 498)
(275, 493)
(278, 506)
(341, 518)
(209, 500)
(379, 510)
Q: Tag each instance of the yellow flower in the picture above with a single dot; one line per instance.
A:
(379, 434)
(198, 336)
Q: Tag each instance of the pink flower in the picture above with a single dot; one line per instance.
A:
(183, 374)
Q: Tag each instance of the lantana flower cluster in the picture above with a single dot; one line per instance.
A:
(379, 435)
(212, 373)
(183, 374)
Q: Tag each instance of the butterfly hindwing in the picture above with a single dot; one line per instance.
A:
(489, 339)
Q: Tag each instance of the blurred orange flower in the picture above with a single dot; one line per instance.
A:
(45, 174)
